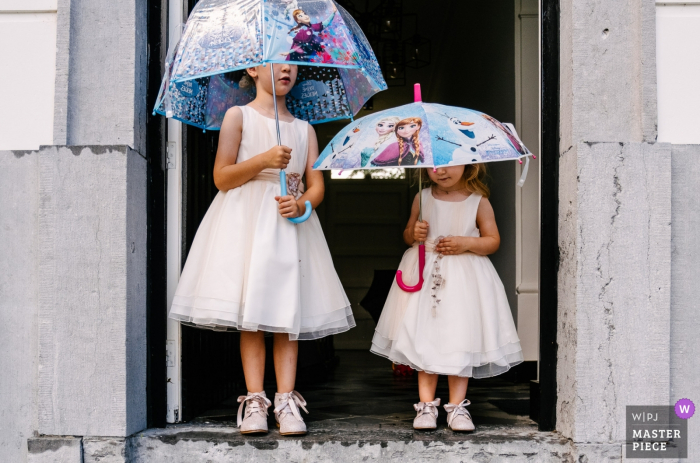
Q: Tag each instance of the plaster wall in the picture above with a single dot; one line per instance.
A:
(19, 342)
(92, 294)
(614, 311)
(28, 54)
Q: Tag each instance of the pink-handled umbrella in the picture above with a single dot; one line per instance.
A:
(421, 247)
(422, 135)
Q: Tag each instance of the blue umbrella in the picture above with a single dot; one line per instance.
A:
(221, 37)
(419, 135)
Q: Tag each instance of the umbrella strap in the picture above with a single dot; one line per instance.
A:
(523, 176)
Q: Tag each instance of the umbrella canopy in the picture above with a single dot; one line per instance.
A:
(421, 135)
(224, 36)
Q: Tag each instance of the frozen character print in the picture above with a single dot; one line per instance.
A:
(294, 185)
(465, 153)
(385, 130)
(517, 144)
(289, 7)
(406, 150)
(305, 41)
(351, 137)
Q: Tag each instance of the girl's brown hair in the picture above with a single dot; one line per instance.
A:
(473, 178)
(416, 139)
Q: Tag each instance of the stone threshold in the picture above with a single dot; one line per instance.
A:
(345, 441)
(336, 441)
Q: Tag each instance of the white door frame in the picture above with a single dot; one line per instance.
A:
(176, 15)
(527, 198)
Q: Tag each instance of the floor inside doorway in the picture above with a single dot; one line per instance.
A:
(363, 398)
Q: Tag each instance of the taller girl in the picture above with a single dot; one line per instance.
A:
(459, 324)
(251, 269)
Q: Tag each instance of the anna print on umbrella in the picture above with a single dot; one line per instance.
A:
(406, 150)
(305, 42)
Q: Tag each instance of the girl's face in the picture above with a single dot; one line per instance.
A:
(285, 77)
(447, 177)
(385, 127)
(303, 18)
(407, 131)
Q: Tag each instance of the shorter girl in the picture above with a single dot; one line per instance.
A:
(406, 150)
(459, 324)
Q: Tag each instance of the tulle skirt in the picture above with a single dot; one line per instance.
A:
(250, 269)
(469, 333)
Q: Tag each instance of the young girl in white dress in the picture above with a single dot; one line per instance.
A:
(459, 323)
(249, 267)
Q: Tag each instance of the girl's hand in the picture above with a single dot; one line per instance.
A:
(453, 245)
(420, 231)
(288, 206)
(277, 157)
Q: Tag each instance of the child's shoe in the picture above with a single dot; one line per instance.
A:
(427, 415)
(287, 414)
(255, 420)
(458, 418)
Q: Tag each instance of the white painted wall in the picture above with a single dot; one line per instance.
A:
(527, 198)
(28, 57)
(678, 71)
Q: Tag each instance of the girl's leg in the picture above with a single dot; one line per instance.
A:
(253, 357)
(458, 388)
(285, 355)
(427, 383)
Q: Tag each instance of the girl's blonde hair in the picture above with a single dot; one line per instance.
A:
(474, 178)
(383, 138)
(415, 138)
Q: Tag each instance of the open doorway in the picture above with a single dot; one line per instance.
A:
(483, 56)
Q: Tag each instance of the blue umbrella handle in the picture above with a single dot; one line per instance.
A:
(283, 188)
(283, 174)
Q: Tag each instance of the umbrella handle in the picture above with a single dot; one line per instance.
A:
(283, 188)
(283, 175)
(421, 266)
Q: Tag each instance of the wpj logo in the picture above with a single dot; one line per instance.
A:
(655, 432)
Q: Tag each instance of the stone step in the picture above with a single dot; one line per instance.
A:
(339, 442)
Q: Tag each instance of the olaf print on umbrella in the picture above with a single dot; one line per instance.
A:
(465, 153)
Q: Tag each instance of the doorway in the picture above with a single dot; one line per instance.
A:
(486, 57)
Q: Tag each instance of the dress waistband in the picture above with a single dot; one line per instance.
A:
(295, 187)
(429, 244)
(268, 177)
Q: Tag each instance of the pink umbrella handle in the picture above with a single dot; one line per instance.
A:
(421, 266)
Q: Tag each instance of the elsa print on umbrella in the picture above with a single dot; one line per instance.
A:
(305, 42)
(385, 133)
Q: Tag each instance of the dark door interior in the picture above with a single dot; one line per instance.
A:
(363, 218)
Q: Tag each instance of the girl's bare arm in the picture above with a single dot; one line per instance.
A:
(228, 174)
(415, 230)
(486, 244)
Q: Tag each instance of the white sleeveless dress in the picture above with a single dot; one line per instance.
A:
(470, 331)
(251, 269)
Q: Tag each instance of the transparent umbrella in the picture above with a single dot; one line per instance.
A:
(338, 74)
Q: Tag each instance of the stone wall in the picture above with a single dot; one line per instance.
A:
(19, 342)
(685, 275)
(101, 74)
(615, 200)
(92, 291)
